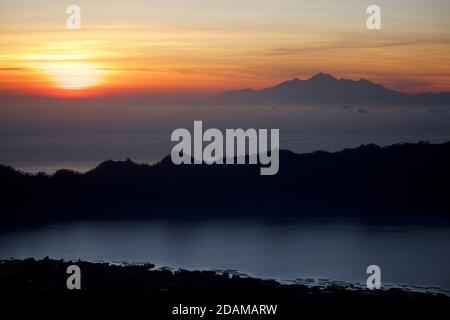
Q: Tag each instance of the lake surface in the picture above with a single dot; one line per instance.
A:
(415, 255)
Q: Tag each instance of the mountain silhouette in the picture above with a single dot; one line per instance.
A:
(324, 89)
(405, 180)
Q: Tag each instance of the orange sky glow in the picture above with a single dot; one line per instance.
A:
(208, 47)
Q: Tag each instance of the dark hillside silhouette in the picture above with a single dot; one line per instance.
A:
(402, 180)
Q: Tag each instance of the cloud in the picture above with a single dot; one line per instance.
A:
(362, 111)
(11, 69)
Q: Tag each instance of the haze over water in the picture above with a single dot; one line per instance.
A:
(89, 139)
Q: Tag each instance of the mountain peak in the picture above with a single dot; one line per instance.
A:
(322, 76)
(325, 89)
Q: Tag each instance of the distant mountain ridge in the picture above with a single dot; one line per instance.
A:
(324, 89)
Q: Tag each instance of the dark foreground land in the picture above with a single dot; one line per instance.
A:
(39, 287)
(402, 181)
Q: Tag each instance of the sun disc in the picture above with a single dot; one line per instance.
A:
(73, 75)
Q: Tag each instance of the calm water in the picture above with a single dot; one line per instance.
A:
(411, 255)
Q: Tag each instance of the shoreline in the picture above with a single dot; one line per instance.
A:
(310, 282)
(30, 281)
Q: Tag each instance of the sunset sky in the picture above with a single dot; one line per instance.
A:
(209, 46)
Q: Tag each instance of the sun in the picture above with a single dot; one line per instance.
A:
(70, 67)
(72, 75)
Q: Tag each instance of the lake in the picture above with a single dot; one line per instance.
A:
(413, 255)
